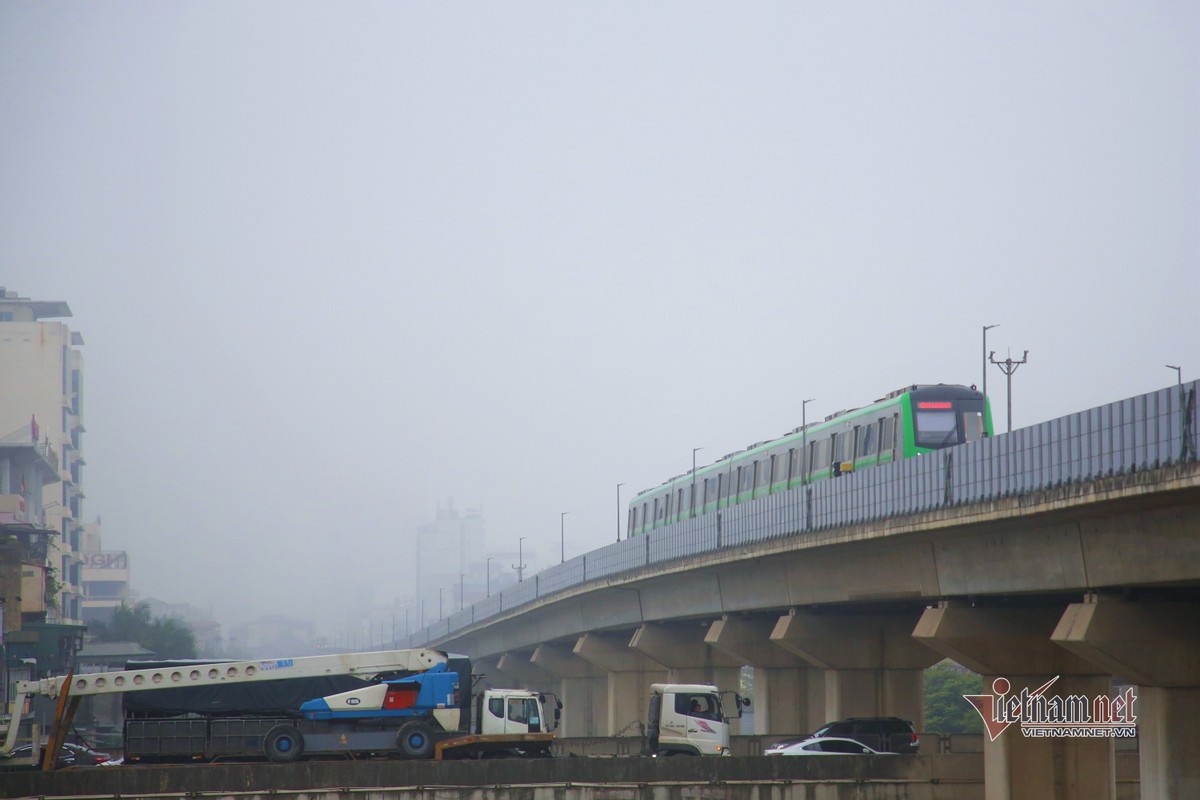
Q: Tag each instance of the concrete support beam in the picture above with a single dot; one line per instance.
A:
(1155, 645)
(494, 678)
(584, 690)
(518, 665)
(1144, 643)
(629, 675)
(682, 650)
(873, 666)
(789, 694)
(1000, 641)
(1015, 644)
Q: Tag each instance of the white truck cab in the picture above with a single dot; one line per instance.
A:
(508, 711)
(686, 719)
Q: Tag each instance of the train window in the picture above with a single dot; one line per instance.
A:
(631, 523)
(887, 434)
(866, 440)
(710, 490)
(790, 466)
(838, 442)
(667, 503)
(658, 510)
(773, 474)
(680, 502)
(645, 511)
(821, 454)
(722, 487)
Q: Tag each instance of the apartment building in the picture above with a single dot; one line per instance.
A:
(41, 458)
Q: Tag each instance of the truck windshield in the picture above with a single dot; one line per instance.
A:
(701, 706)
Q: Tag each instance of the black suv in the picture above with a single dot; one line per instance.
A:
(885, 734)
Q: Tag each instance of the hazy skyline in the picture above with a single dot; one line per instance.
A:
(334, 263)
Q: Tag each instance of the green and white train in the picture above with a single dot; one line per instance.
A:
(905, 423)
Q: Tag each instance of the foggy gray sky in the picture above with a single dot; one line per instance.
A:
(335, 262)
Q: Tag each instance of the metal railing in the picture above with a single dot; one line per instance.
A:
(1141, 433)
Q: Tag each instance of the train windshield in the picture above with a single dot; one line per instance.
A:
(936, 427)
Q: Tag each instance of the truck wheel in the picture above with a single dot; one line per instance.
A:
(415, 740)
(283, 743)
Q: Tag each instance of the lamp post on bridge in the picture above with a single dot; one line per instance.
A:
(562, 537)
(520, 565)
(488, 567)
(1008, 366)
(1178, 372)
(619, 485)
(986, 328)
(804, 436)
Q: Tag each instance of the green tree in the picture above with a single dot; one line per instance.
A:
(945, 709)
(167, 637)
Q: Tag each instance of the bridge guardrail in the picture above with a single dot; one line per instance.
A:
(1139, 433)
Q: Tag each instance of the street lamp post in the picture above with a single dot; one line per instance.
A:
(986, 328)
(441, 589)
(520, 565)
(804, 436)
(562, 538)
(488, 567)
(1178, 372)
(461, 578)
(693, 505)
(619, 485)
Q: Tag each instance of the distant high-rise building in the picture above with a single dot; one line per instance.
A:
(450, 560)
(41, 422)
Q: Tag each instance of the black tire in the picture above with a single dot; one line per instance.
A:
(283, 744)
(415, 739)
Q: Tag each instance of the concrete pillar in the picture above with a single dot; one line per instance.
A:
(1168, 743)
(584, 690)
(1015, 644)
(629, 675)
(783, 682)
(1155, 645)
(873, 666)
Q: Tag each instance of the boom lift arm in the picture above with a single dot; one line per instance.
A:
(72, 687)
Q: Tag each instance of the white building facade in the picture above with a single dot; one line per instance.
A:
(41, 404)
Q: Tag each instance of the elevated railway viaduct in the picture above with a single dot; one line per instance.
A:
(1070, 552)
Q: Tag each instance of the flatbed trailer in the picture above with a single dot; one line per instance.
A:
(528, 745)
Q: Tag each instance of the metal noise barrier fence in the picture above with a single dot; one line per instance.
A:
(1144, 432)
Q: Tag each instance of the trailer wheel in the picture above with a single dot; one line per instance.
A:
(415, 740)
(283, 743)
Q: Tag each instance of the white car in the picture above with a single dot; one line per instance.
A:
(822, 746)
